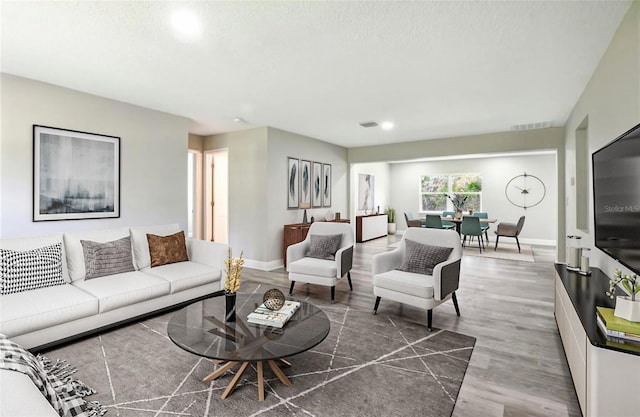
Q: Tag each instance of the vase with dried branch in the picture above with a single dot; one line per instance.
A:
(233, 271)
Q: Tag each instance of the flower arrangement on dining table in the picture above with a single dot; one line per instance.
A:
(232, 271)
(458, 201)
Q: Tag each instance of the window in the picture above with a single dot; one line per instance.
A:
(434, 190)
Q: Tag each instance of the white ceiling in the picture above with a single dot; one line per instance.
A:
(436, 69)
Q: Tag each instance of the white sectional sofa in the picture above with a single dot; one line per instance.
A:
(45, 316)
(42, 316)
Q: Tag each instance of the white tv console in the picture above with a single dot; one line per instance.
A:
(606, 378)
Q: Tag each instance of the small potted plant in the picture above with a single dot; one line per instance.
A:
(626, 306)
(391, 221)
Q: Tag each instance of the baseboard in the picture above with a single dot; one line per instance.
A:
(263, 266)
(540, 242)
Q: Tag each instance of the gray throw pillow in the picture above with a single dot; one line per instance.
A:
(324, 246)
(31, 269)
(421, 259)
(101, 259)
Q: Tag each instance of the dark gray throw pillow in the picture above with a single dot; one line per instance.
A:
(421, 259)
(101, 259)
(324, 246)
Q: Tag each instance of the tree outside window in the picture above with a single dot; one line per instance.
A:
(435, 188)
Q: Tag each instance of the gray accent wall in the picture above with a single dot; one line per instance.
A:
(153, 149)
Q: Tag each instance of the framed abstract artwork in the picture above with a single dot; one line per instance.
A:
(326, 185)
(305, 184)
(293, 188)
(76, 175)
(366, 189)
(316, 185)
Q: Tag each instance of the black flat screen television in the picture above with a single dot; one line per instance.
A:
(616, 198)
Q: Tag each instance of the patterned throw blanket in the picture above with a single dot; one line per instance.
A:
(52, 379)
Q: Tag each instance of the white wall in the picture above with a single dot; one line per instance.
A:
(611, 104)
(541, 220)
(153, 145)
(382, 185)
(258, 192)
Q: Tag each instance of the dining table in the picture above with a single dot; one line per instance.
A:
(458, 221)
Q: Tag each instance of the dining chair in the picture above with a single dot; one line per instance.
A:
(411, 222)
(451, 214)
(433, 221)
(483, 226)
(471, 227)
(509, 230)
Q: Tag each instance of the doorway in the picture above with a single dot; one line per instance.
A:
(216, 193)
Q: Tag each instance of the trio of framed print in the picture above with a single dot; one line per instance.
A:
(308, 184)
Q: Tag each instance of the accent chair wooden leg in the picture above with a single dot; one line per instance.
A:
(518, 242)
(497, 237)
(291, 288)
(349, 279)
(429, 319)
(455, 303)
(333, 294)
(375, 307)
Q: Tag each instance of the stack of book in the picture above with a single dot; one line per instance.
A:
(620, 333)
(275, 318)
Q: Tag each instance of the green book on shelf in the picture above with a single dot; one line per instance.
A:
(616, 323)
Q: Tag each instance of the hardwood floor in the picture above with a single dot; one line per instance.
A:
(518, 367)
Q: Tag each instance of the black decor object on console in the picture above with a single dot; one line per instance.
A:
(616, 198)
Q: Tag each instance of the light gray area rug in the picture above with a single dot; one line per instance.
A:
(505, 250)
(368, 365)
(508, 251)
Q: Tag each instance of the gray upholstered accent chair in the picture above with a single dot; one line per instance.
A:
(509, 230)
(423, 289)
(319, 260)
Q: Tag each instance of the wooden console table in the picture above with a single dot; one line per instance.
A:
(370, 227)
(297, 232)
(605, 377)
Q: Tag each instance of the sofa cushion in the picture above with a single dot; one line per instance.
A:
(140, 244)
(33, 310)
(30, 269)
(421, 258)
(101, 259)
(184, 275)
(314, 266)
(120, 290)
(75, 254)
(27, 243)
(324, 246)
(167, 249)
(21, 398)
(418, 285)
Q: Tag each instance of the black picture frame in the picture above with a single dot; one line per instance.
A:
(326, 185)
(293, 184)
(76, 175)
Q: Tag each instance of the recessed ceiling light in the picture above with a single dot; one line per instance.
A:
(187, 24)
(239, 120)
(386, 125)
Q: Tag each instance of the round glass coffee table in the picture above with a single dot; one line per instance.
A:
(200, 328)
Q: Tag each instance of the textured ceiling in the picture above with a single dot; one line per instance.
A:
(436, 69)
